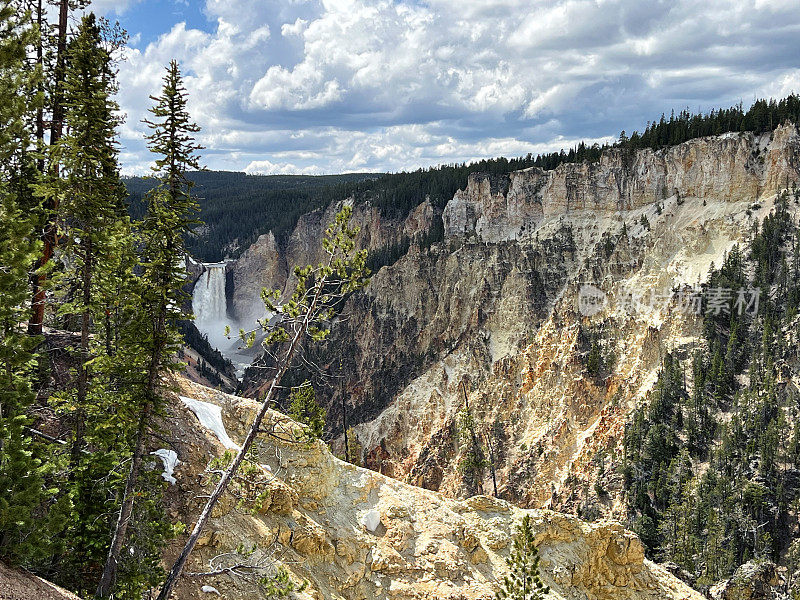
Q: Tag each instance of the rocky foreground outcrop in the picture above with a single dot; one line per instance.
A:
(351, 533)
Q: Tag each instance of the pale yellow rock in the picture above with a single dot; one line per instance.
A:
(495, 307)
(208, 538)
(311, 539)
(387, 560)
(282, 498)
(732, 167)
(478, 555)
(432, 547)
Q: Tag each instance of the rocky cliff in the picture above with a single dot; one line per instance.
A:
(266, 264)
(729, 168)
(351, 533)
(495, 308)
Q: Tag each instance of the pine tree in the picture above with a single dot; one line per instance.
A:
(473, 462)
(51, 59)
(172, 139)
(523, 581)
(91, 191)
(303, 408)
(169, 218)
(594, 360)
(280, 585)
(95, 264)
(23, 527)
(21, 483)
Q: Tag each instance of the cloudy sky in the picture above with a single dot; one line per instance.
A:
(331, 86)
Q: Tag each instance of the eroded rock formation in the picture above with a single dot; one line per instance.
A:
(729, 168)
(353, 534)
(495, 307)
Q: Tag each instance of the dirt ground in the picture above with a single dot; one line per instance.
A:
(19, 585)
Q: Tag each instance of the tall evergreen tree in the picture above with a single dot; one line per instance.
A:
(91, 191)
(169, 219)
(473, 461)
(21, 482)
(22, 492)
(55, 56)
(95, 261)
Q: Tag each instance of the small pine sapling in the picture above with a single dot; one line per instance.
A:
(304, 409)
(523, 581)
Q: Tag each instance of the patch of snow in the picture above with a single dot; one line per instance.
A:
(210, 416)
(170, 460)
(371, 519)
(210, 589)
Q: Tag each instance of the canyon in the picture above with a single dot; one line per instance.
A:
(494, 308)
(546, 301)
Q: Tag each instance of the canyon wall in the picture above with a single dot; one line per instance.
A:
(494, 308)
(266, 264)
(732, 167)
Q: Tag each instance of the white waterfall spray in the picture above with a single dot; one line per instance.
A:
(210, 308)
(210, 305)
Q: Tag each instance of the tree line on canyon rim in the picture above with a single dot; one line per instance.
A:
(237, 208)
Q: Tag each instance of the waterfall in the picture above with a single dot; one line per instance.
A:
(209, 303)
(210, 308)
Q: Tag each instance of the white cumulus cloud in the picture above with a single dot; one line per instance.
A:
(330, 85)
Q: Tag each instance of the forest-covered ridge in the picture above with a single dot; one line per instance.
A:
(711, 462)
(236, 208)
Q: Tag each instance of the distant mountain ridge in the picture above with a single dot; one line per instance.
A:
(236, 208)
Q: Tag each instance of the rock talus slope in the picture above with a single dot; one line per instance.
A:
(353, 534)
(16, 584)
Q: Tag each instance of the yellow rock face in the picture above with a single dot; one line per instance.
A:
(425, 546)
